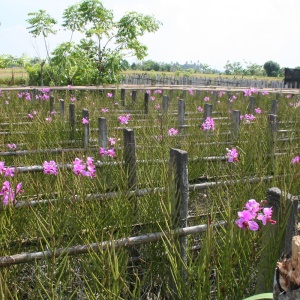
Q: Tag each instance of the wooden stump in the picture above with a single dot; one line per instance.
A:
(287, 274)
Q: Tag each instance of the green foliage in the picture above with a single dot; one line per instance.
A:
(35, 74)
(272, 68)
(234, 68)
(41, 23)
(99, 57)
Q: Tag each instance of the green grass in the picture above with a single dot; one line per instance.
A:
(221, 262)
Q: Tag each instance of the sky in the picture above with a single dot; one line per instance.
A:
(206, 31)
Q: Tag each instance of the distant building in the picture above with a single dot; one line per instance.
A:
(292, 77)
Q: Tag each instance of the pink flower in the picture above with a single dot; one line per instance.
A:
(27, 96)
(266, 217)
(253, 206)
(104, 110)
(6, 171)
(69, 86)
(157, 91)
(49, 119)
(9, 172)
(157, 106)
(247, 92)
(30, 116)
(248, 217)
(296, 160)
(265, 93)
(232, 155)
(73, 99)
(124, 119)
(112, 141)
(109, 95)
(200, 109)
(221, 93)
(206, 99)
(249, 118)
(191, 92)
(246, 221)
(12, 146)
(85, 121)
(50, 167)
(111, 152)
(6, 102)
(288, 96)
(8, 194)
(258, 110)
(209, 124)
(103, 152)
(87, 169)
(291, 104)
(152, 98)
(148, 92)
(172, 132)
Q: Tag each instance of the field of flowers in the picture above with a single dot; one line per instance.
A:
(59, 191)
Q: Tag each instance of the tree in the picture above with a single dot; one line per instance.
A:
(272, 68)
(234, 68)
(99, 57)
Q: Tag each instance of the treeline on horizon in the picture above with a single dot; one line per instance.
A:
(270, 68)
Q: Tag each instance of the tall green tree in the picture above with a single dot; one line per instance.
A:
(100, 56)
(272, 68)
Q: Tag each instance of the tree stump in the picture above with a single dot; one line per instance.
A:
(287, 274)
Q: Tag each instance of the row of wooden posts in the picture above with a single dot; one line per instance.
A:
(179, 173)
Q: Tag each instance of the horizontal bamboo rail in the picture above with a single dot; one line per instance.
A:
(96, 247)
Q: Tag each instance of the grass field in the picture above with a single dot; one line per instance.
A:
(18, 76)
(222, 262)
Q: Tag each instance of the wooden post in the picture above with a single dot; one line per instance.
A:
(274, 107)
(51, 104)
(123, 95)
(102, 131)
(181, 113)
(165, 103)
(273, 128)
(277, 238)
(72, 119)
(146, 103)
(179, 172)
(215, 98)
(133, 96)
(198, 95)
(86, 132)
(230, 103)
(236, 114)
(207, 111)
(62, 108)
(251, 105)
(130, 158)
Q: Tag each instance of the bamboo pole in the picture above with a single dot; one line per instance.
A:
(96, 247)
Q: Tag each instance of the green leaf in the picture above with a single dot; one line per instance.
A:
(260, 296)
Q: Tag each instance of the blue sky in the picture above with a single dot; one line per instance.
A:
(208, 31)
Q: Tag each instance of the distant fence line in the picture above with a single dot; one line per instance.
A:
(145, 79)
